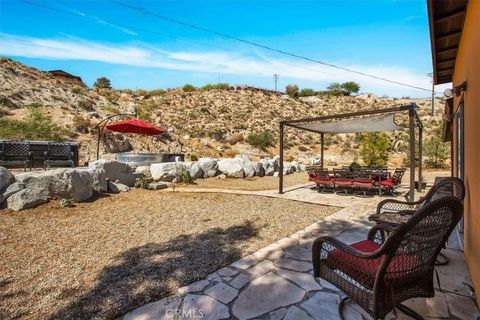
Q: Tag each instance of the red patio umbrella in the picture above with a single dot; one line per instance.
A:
(135, 126)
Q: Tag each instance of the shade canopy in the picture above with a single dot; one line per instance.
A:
(135, 126)
(375, 123)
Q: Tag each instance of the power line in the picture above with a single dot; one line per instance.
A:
(96, 19)
(224, 35)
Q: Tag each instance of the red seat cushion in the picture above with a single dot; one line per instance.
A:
(387, 183)
(321, 181)
(343, 182)
(365, 270)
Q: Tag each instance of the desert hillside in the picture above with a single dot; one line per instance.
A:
(213, 122)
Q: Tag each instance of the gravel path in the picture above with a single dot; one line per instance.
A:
(102, 259)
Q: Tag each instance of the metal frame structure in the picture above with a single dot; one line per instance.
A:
(414, 122)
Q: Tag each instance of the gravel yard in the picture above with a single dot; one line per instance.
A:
(103, 258)
(251, 184)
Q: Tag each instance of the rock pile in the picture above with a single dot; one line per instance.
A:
(30, 189)
(239, 167)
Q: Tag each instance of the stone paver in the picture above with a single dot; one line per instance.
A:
(193, 287)
(303, 280)
(293, 265)
(259, 297)
(278, 314)
(240, 281)
(245, 262)
(276, 282)
(203, 307)
(295, 313)
(222, 292)
(261, 268)
(227, 272)
(462, 307)
(162, 310)
(322, 306)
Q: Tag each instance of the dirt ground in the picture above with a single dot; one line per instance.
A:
(105, 257)
(250, 184)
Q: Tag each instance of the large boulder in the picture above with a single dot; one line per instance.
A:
(259, 169)
(69, 183)
(247, 165)
(167, 171)
(76, 184)
(6, 178)
(113, 171)
(11, 190)
(194, 169)
(26, 199)
(231, 168)
(209, 166)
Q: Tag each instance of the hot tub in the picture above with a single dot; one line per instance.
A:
(145, 159)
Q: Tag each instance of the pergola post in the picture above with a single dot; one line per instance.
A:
(322, 142)
(280, 170)
(411, 118)
(420, 158)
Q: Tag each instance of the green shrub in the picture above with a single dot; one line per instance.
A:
(155, 92)
(66, 203)
(141, 183)
(261, 140)
(354, 165)
(218, 86)
(306, 92)
(37, 126)
(187, 177)
(144, 110)
(292, 90)
(193, 157)
(436, 152)
(375, 149)
(103, 83)
(188, 88)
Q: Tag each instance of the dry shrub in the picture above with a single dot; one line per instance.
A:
(235, 138)
(81, 124)
(231, 153)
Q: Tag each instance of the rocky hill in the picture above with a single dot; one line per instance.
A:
(200, 123)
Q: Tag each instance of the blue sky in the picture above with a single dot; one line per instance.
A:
(91, 39)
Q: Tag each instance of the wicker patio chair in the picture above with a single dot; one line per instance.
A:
(362, 179)
(343, 179)
(58, 154)
(16, 154)
(393, 212)
(324, 181)
(379, 275)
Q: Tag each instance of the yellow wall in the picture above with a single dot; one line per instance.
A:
(467, 68)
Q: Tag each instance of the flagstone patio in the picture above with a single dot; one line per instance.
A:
(276, 282)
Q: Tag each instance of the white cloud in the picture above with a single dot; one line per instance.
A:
(217, 62)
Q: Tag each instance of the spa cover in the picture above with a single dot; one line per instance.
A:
(377, 123)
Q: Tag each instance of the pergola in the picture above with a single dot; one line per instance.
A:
(359, 122)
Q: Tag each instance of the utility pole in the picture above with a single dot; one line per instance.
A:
(275, 77)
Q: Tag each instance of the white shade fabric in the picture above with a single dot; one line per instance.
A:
(377, 123)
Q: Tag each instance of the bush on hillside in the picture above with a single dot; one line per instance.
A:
(102, 83)
(36, 126)
(292, 90)
(346, 88)
(261, 140)
(189, 88)
(218, 86)
(306, 92)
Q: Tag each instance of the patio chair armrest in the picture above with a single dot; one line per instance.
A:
(392, 205)
(323, 245)
(377, 232)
